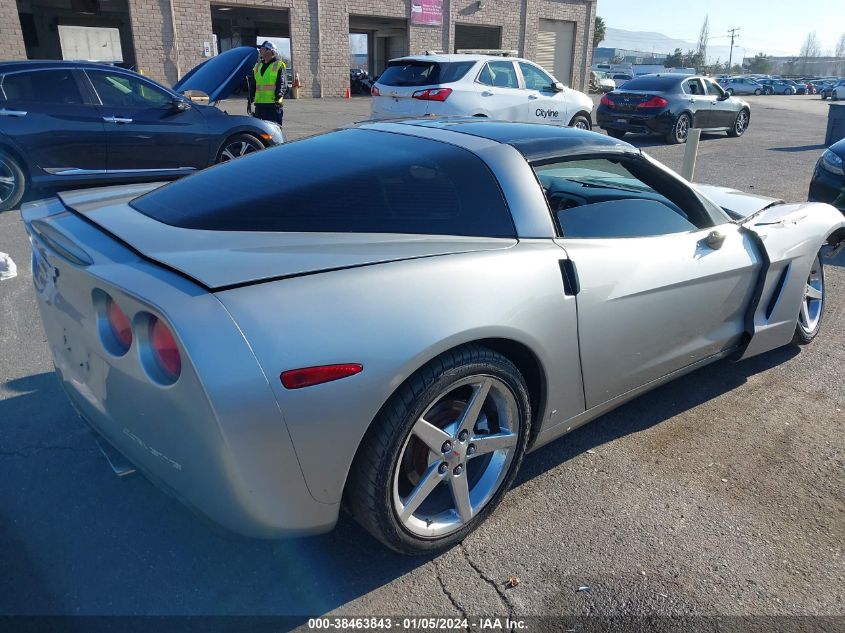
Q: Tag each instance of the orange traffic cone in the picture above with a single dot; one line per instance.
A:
(347, 94)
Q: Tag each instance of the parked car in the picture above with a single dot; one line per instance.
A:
(600, 82)
(741, 86)
(828, 183)
(64, 124)
(620, 79)
(826, 91)
(777, 86)
(503, 88)
(398, 356)
(670, 105)
(838, 91)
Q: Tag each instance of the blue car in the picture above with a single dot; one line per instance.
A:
(828, 183)
(64, 124)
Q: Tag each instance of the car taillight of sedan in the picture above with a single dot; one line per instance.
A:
(605, 101)
(654, 102)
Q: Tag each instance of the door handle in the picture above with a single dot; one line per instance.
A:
(691, 100)
(18, 113)
(487, 93)
(533, 97)
(114, 119)
(713, 103)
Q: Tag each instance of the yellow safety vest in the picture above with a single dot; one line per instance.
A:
(265, 84)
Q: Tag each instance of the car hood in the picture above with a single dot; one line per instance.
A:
(219, 76)
(737, 203)
(224, 259)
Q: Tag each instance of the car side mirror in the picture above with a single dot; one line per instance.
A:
(180, 105)
(723, 97)
(557, 86)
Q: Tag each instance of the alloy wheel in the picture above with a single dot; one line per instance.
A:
(580, 124)
(741, 122)
(236, 150)
(682, 128)
(456, 456)
(813, 300)
(8, 181)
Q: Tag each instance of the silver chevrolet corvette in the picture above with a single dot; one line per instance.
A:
(388, 317)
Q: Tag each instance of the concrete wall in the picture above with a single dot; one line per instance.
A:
(319, 32)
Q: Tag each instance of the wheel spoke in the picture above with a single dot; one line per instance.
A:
(227, 155)
(460, 493)
(805, 315)
(488, 443)
(420, 493)
(813, 293)
(433, 437)
(473, 409)
(243, 148)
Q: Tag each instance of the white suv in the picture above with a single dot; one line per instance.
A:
(503, 88)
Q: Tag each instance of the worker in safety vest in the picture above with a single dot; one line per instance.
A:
(268, 85)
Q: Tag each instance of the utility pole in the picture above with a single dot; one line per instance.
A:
(731, 54)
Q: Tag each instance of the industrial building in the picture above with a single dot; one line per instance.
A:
(166, 38)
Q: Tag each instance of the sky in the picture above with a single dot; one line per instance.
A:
(777, 25)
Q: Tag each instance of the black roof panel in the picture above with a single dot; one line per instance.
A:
(535, 141)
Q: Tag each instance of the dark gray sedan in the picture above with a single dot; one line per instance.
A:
(671, 104)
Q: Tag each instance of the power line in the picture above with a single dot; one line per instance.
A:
(731, 54)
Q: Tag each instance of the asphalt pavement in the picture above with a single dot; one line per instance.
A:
(722, 493)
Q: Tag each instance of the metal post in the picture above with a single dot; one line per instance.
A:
(690, 153)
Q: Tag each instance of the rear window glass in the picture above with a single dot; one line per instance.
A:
(45, 86)
(652, 83)
(358, 181)
(423, 73)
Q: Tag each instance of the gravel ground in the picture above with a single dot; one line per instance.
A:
(719, 494)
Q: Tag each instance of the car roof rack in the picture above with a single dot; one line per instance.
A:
(497, 52)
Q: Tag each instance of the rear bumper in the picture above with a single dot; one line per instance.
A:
(215, 437)
(659, 123)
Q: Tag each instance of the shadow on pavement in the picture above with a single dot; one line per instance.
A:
(799, 148)
(652, 140)
(78, 540)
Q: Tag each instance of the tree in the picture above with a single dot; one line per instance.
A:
(703, 38)
(675, 60)
(810, 49)
(599, 32)
(760, 64)
(693, 59)
(840, 52)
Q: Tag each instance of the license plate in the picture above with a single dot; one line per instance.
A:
(621, 120)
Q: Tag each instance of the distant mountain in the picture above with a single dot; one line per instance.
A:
(659, 43)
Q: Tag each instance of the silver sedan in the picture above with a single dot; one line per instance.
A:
(387, 318)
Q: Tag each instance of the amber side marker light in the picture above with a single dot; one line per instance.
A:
(309, 376)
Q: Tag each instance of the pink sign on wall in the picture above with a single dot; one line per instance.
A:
(427, 12)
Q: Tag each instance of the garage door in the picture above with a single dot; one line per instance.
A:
(477, 37)
(555, 47)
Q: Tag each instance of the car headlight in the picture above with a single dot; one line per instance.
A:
(832, 163)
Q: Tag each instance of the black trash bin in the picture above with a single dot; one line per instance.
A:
(835, 123)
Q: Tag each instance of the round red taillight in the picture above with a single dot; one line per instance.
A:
(165, 350)
(119, 323)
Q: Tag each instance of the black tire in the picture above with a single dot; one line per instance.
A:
(581, 122)
(804, 336)
(620, 134)
(369, 489)
(767, 91)
(757, 92)
(823, 96)
(740, 126)
(680, 131)
(12, 181)
(232, 147)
